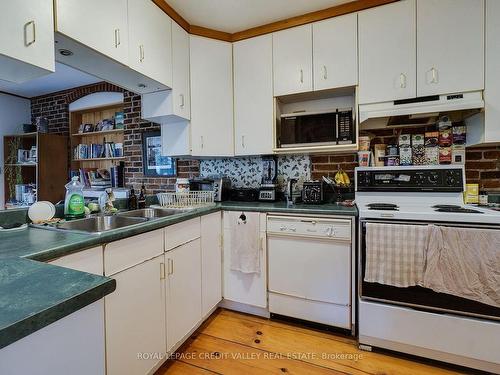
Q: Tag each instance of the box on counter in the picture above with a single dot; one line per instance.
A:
(459, 134)
(458, 154)
(379, 157)
(431, 139)
(417, 140)
(444, 123)
(471, 193)
(418, 154)
(444, 155)
(405, 155)
(404, 140)
(445, 138)
(432, 155)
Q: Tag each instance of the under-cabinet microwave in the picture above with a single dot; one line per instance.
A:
(304, 129)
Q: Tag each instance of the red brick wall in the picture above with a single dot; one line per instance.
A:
(55, 107)
(482, 163)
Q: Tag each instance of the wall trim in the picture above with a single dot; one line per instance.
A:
(338, 10)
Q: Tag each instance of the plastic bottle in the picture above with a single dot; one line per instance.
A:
(74, 204)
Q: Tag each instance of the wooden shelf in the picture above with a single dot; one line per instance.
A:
(22, 165)
(33, 134)
(114, 131)
(100, 159)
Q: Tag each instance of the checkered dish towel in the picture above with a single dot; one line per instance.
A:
(395, 254)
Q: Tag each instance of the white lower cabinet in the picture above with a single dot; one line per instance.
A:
(135, 319)
(245, 288)
(183, 291)
(211, 262)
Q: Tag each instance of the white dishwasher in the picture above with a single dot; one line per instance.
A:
(309, 262)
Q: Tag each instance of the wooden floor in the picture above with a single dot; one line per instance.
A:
(234, 343)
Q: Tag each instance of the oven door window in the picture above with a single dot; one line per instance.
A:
(416, 296)
(307, 130)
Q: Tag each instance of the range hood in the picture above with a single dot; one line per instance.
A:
(420, 111)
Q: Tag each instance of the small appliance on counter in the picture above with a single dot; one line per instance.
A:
(312, 192)
(221, 185)
(245, 194)
(267, 191)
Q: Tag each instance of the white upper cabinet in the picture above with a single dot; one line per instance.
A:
(450, 46)
(211, 97)
(335, 52)
(26, 39)
(292, 60)
(98, 24)
(253, 96)
(387, 52)
(150, 41)
(180, 67)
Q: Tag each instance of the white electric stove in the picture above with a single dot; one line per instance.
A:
(417, 320)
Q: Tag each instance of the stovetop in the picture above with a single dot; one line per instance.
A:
(429, 194)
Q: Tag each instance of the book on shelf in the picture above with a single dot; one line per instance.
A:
(101, 178)
(98, 150)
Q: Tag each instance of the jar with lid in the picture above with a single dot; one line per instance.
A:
(182, 185)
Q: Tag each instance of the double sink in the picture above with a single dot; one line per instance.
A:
(102, 223)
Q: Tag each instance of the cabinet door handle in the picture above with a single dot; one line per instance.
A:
(434, 75)
(301, 76)
(170, 265)
(262, 244)
(325, 73)
(182, 100)
(402, 81)
(162, 271)
(202, 143)
(243, 141)
(141, 53)
(29, 42)
(117, 38)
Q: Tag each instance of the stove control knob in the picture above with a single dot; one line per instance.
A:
(432, 178)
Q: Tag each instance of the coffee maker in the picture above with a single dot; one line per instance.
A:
(267, 191)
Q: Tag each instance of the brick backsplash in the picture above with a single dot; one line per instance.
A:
(482, 164)
(55, 107)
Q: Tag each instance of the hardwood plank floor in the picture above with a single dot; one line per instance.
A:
(234, 343)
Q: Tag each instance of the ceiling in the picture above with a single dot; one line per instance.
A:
(64, 78)
(237, 15)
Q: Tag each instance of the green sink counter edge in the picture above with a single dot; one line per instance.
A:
(34, 294)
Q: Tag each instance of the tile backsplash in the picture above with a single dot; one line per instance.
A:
(247, 171)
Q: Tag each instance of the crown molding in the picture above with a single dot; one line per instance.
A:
(338, 10)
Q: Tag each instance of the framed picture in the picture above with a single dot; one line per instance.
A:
(154, 163)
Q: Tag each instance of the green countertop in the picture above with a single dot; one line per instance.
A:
(35, 294)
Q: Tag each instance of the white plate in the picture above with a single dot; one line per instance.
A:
(41, 211)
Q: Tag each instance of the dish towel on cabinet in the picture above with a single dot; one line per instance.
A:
(245, 249)
(395, 254)
(464, 262)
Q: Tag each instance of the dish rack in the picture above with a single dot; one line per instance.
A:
(192, 199)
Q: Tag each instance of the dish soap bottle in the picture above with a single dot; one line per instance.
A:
(142, 197)
(74, 204)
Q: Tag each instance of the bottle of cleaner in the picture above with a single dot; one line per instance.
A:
(74, 204)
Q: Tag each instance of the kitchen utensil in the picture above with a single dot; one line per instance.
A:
(41, 211)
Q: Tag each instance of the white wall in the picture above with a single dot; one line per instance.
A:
(14, 112)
